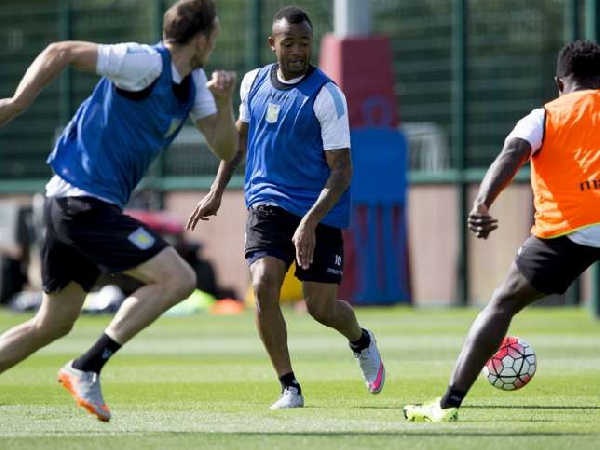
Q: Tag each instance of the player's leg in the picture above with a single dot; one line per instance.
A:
(324, 306)
(483, 339)
(117, 243)
(542, 267)
(267, 277)
(268, 274)
(488, 330)
(269, 252)
(320, 283)
(55, 318)
(66, 276)
(168, 280)
(321, 280)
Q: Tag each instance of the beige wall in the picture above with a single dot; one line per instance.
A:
(431, 229)
(433, 247)
(490, 259)
(222, 236)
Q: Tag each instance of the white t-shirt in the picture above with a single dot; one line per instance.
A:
(133, 67)
(531, 129)
(335, 130)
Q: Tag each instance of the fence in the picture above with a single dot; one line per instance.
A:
(510, 49)
(465, 71)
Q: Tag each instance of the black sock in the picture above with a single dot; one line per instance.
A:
(95, 358)
(289, 380)
(362, 343)
(453, 398)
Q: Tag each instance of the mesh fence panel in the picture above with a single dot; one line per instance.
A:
(24, 32)
(511, 51)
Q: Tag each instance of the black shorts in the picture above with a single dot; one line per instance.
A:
(551, 265)
(85, 236)
(269, 232)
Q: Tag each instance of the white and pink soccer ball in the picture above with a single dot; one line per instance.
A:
(512, 366)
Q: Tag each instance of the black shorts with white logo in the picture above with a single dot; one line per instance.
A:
(551, 265)
(269, 232)
(84, 236)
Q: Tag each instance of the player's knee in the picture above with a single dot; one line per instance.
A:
(265, 287)
(184, 282)
(320, 312)
(504, 304)
(52, 330)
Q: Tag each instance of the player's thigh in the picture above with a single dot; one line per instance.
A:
(319, 295)
(167, 267)
(516, 291)
(62, 262)
(114, 241)
(61, 309)
(268, 274)
(269, 232)
(328, 258)
(551, 265)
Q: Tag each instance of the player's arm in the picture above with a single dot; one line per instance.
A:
(228, 168)
(45, 68)
(304, 238)
(515, 153)
(522, 142)
(219, 129)
(340, 164)
(211, 202)
(332, 112)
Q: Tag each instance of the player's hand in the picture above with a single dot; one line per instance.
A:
(304, 240)
(221, 84)
(207, 207)
(8, 110)
(480, 222)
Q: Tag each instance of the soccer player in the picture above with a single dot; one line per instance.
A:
(293, 125)
(563, 143)
(145, 96)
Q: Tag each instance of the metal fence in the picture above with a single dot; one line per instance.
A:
(508, 48)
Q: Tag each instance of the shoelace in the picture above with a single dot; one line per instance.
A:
(366, 361)
(290, 391)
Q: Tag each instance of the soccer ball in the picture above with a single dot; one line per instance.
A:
(512, 366)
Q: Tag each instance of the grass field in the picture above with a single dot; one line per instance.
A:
(205, 382)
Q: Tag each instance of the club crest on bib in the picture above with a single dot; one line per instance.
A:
(173, 127)
(273, 112)
(142, 239)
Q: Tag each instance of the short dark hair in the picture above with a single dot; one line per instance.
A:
(579, 59)
(292, 14)
(186, 18)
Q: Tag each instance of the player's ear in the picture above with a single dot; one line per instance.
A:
(202, 41)
(272, 43)
(560, 84)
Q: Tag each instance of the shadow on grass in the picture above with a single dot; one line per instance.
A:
(416, 433)
(548, 408)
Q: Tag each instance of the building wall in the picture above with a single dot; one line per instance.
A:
(433, 247)
(222, 236)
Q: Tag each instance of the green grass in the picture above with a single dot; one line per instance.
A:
(205, 382)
